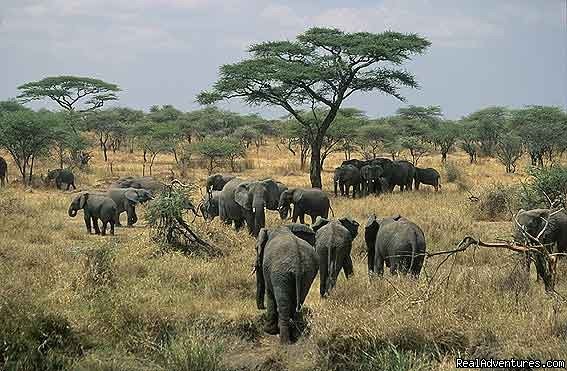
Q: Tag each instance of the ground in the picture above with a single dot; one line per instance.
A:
(83, 302)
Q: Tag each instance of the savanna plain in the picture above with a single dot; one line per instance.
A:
(74, 301)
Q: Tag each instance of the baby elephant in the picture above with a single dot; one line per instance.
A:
(333, 245)
(61, 176)
(209, 207)
(428, 176)
(286, 266)
(310, 201)
(397, 242)
(95, 206)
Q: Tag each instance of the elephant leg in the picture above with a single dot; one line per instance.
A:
(134, 216)
(95, 225)
(68, 186)
(295, 214)
(103, 231)
(285, 302)
(74, 188)
(348, 266)
(88, 223)
(302, 218)
(378, 264)
(111, 228)
(238, 224)
(131, 214)
(416, 185)
(117, 219)
(271, 326)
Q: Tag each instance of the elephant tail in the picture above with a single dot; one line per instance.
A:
(413, 252)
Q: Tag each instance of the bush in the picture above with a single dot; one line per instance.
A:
(453, 172)
(498, 202)
(545, 185)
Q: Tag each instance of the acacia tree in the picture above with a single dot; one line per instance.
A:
(322, 68)
(489, 123)
(444, 135)
(509, 150)
(72, 93)
(372, 137)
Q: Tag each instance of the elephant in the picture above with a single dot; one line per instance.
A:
(209, 207)
(333, 244)
(370, 178)
(126, 199)
(397, 242)
(217, 181)
(286, 266)
(347, 176)
(61, 176)
(141, 182)
(245, 200)
(310, 201)
(534, 221)
(428, 176)
(402, 174)
(3, 172)
(95, 206)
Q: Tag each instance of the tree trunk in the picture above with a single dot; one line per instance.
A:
(315, 169)
(104, 149)
(444, 157)
(31, 171)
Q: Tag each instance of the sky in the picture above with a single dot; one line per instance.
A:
(483, 52)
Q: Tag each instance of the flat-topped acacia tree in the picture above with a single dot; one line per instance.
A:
(72, 93)
(321, 69)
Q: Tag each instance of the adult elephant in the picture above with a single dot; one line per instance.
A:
(397, 242)
(345, 177)
(402, 174)
(209, 207)
(216, 182)
(245, 201)
(286, 266)
(428, 176)
(3, 172)
(333, 246)
(310, 201)
(95, 206)
(61, 176)
(370, 175)
(126, 200)
(547, 224)
(141, 182)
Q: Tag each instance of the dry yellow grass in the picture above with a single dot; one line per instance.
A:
(129, 308)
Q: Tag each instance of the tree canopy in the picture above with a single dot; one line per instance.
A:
(322, 68)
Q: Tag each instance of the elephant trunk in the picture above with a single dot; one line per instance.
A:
(259, 217)
(72, 211)
(260, 288)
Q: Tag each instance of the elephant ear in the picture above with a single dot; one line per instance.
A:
(83, 200)
(370, 231)
(320, 223)
(350, 224)
(243, 197)
(304, 232)
(132, 196)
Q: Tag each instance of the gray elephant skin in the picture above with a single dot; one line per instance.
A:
(286, 266)
(61, 176)
(126, 200)
(397, 173)
(396, 242)
(428, 176)
(209, 207)
(310, 201)
(534, 221)
(246, 201)
(3, 172)
(95, 206)
(141, 182)
(345, 177)
(333, 246)
(216, 182)
(371, 174)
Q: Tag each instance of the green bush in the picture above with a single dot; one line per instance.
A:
(498, 202)
(545, 185)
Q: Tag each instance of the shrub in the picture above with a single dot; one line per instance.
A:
(453, 172)
(544, 186)
(498, 202)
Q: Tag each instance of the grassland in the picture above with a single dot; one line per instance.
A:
(74, 301)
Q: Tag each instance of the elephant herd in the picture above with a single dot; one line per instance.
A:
(381, 175)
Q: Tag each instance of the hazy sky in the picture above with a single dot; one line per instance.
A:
(484, 52)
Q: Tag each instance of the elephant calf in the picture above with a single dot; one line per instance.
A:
(286, 266)
(209, 207)
(333, 245)
(397, 242)
(310, 201)
(61, 176)
(428, 176)
(95, 206)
